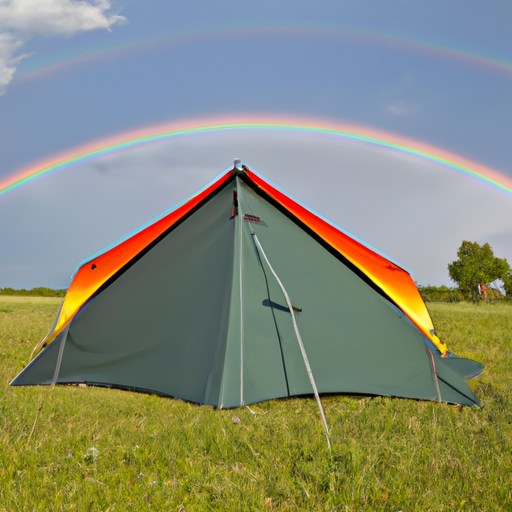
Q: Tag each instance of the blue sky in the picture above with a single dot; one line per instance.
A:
(438, 72)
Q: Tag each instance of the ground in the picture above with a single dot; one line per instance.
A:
(90, 449)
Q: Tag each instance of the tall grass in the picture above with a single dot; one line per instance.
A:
(87, 449)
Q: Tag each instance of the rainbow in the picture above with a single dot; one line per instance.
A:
(153, 134)
(310, 30)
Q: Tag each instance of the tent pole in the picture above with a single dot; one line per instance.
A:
(434, 371)
(59, 357)
(240, 270)
(299, 339)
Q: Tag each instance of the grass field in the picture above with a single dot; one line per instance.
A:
(86, 449)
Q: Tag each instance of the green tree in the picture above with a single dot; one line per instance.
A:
(475, 268)
(507, 283)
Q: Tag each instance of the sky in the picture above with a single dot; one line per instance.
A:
(76, 77)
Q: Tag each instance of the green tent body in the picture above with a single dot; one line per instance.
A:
(234, 298)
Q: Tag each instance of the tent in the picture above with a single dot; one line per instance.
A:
(240, 295)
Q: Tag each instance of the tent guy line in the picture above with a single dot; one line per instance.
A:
(299, 338)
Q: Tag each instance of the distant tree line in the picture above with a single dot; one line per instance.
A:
(440, 294)
(40, 291)
(480, 276)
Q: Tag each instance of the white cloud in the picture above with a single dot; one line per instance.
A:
(401, 108)
(8, 63)
(21, 20)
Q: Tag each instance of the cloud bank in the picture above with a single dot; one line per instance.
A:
(21, 20)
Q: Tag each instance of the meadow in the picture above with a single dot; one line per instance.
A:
(91, 449)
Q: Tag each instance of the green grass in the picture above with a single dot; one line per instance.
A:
(161, 454)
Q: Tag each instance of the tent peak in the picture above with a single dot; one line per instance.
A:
(240, 169)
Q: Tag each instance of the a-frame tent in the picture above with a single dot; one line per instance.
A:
(241, 295)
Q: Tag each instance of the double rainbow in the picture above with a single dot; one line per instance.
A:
(153, 134)
(319, 31)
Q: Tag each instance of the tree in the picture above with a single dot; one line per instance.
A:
(507, 283)
(475, 268)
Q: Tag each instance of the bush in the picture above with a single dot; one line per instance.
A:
(440, 294)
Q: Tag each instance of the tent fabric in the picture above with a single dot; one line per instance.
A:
(95, 272)
(189, 308)
(391, 278)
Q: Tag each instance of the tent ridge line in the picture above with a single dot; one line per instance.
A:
(311, 232)
(54, 333)
(371, 281)
(157, 240)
